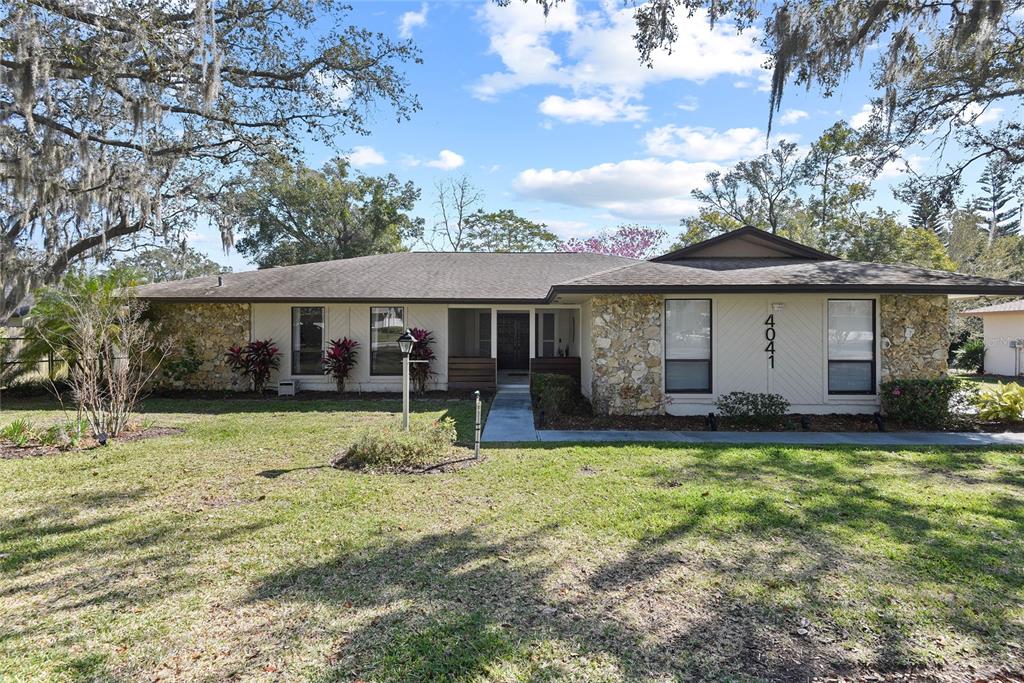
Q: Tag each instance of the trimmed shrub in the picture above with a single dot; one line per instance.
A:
(387, 447)
(255, 360)
(752, 410)
(1002, 403)
(557, 395)
(340, 359)
(971, 356)
(919, 402)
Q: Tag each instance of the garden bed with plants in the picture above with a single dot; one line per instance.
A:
(24, 439)
(948, 404)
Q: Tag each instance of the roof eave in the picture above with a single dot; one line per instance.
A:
(838, 287)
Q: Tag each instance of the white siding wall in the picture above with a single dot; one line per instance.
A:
(740, 363)
(586, 346)
(273, 321)
(1000, 328)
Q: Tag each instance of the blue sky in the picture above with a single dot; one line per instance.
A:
(555, 118)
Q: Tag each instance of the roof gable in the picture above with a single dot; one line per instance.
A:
(746, 242)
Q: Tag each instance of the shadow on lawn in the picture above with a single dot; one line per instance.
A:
(832, 575)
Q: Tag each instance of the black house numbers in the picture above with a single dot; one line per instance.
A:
(769, 335)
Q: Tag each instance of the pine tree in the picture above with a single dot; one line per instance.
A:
(997, 204)
(926, 215)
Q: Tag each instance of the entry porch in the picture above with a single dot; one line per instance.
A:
(492, 346)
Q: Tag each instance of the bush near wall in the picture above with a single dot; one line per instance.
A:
(557, 395)
(919, 402)
(753, 410)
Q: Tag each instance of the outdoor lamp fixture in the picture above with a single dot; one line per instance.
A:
(405, 343)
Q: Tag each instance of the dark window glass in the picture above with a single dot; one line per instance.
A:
(688, 346)
(851, 346)
(307, 340)
(387, 324)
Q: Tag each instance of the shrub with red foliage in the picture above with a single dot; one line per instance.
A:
(419, 373)
(340, 359)
(255, 360)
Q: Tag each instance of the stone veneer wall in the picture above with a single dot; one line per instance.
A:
(626, 338)
(211, 329)
(915, 336)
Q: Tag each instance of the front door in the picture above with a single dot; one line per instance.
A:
(513, 341)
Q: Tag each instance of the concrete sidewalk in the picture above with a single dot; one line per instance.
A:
(510, 420)
(787, 438)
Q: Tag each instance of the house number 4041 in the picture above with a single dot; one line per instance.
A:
(769, 335)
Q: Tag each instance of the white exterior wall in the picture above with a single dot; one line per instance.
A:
(1000, 329)
(739, 361)
(586, 346)
(273, 321)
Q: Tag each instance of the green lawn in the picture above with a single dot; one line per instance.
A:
(231, 552)
(984, 381)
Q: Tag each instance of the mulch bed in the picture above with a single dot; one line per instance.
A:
(9, 451)
(816, 423)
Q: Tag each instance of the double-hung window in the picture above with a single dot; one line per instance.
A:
(851, 346)
(387, 323)
(688, 346)
(307, 340)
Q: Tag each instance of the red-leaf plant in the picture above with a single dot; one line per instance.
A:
(340, 359)
(419, 373)
(255, 360)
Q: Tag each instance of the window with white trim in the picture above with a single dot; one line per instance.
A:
(307, 340)
(387, 323)
(851, 346)
(688, 346)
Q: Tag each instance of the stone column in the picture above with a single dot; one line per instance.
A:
(915, 336)
(627, 354)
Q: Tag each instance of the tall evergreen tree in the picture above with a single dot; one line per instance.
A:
(997, 204)
(927, 215)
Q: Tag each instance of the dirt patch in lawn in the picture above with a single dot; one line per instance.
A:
(10, 451)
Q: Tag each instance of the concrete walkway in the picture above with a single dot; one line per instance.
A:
(511, 419)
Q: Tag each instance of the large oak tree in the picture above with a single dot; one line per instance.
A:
(119, 121)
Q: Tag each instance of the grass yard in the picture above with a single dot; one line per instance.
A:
(232, 552)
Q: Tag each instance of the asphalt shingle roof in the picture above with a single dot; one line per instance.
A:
(780, 274)
(1008, 307)
(405, 276)
(537, 277)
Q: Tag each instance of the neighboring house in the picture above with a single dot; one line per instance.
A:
(746, 311)
(1004, 337)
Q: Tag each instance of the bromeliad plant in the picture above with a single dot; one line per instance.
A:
(255, 360)
(419, 373)
(340, 359)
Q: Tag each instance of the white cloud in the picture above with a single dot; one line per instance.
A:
(567, 229)
(688, 104)
(897, 168)
(635, 189)
(410, 20)
(704, 144)
(364, 155)
(591, 110)
(446, 160)
(791, 116)
(861, 118)
(595, 54)
(981, 115)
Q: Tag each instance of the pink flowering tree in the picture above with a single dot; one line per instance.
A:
(631, 241)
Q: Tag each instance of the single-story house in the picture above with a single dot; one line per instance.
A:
(1004, 337)
(745, 311)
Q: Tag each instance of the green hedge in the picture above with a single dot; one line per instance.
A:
(557, 395)
(919, 402)
(753, 410)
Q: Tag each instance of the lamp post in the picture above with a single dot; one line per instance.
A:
(405, 343)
